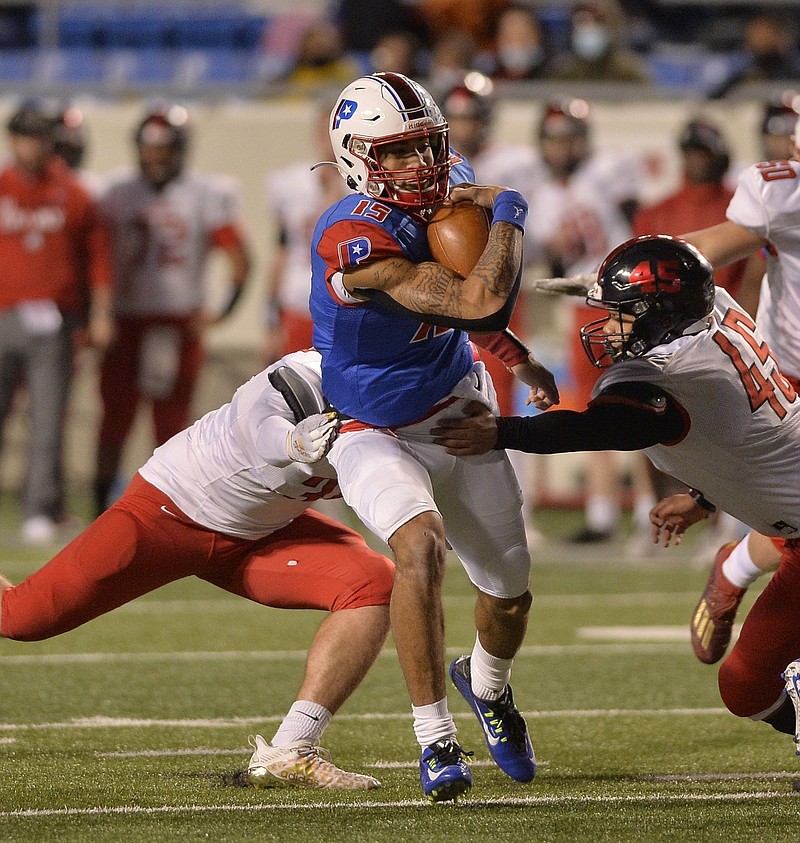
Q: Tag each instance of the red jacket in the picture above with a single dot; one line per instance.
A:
(51, 237)
(693, 207)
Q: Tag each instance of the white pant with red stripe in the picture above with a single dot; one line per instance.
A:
(389, 476)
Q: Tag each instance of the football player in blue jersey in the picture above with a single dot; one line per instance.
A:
(393, 330)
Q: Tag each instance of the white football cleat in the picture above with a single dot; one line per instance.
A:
(301, 764)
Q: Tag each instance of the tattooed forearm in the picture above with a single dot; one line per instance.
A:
(436, 290)
(501, 260)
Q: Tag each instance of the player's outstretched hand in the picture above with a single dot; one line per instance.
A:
(311, 438)
(543, 390)
(474, 433)
(673, 516)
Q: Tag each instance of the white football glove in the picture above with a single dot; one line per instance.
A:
(311, 438)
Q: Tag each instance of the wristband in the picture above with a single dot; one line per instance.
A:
(697, 497)
(510, 206)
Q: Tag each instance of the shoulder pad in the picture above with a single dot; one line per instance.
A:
(639, 392)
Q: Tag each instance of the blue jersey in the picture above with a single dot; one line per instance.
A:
(379, 367)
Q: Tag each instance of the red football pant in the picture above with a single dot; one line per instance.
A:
(136, 547)
(119, 375)
(750, 677)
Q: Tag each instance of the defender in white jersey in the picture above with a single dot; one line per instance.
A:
(227, 501)
(764, 214)
(692, 382)
(164, 222)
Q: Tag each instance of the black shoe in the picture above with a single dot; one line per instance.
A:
(589, 536)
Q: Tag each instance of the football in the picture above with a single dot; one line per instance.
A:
(457, 235)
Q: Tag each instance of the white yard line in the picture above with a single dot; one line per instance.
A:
(645, 598)
(465, 804)
(632, 648)
(236, 722)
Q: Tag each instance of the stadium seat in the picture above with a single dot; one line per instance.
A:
(79, 65)
(218, 66)
(208, 28)
(83, 25)
(150, 26)
(17, 65)
(151, 66)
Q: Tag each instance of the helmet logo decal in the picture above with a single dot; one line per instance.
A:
(353, 252)
(665, 279)
(346, 109)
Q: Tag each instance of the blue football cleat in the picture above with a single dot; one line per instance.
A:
(444, 772)
(503, 726)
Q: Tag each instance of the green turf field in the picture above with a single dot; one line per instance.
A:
(133, 727)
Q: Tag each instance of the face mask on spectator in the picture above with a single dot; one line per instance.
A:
(591, 41)
(521, 59)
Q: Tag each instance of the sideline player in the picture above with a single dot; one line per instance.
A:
(389, 324)
(52, 239)
(227, 501)
(164, 222)
(693, 383)
(297, 194)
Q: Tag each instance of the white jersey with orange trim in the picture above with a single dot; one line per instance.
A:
(230, 471)
(162, 238)
(742, 449)
(297, 197)
(767, 202)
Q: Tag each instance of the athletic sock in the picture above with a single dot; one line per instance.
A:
(602, 513)
(433, 723)
(305, 721)
(739, 568)
(490, 674)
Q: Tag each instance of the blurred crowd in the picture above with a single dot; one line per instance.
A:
(584, 41)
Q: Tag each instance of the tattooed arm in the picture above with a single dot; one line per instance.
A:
(433, 290)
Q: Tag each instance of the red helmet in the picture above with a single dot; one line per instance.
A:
(164, 125)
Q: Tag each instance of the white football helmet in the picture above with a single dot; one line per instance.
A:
(381, 109)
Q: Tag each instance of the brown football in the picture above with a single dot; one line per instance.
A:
(457, 235)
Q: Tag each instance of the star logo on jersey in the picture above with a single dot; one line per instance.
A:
(354, 252)
(346, 109)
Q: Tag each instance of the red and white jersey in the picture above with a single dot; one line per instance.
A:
(767, 202)
(161, 239)
(581, 212)
(298, 197)
(230, 471)
(742, 449)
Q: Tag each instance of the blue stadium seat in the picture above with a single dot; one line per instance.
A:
(251, 31)
(80, 65)
(17, 65)
(83, 25)
(208, 28)
(149, 66)
(150, 26)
